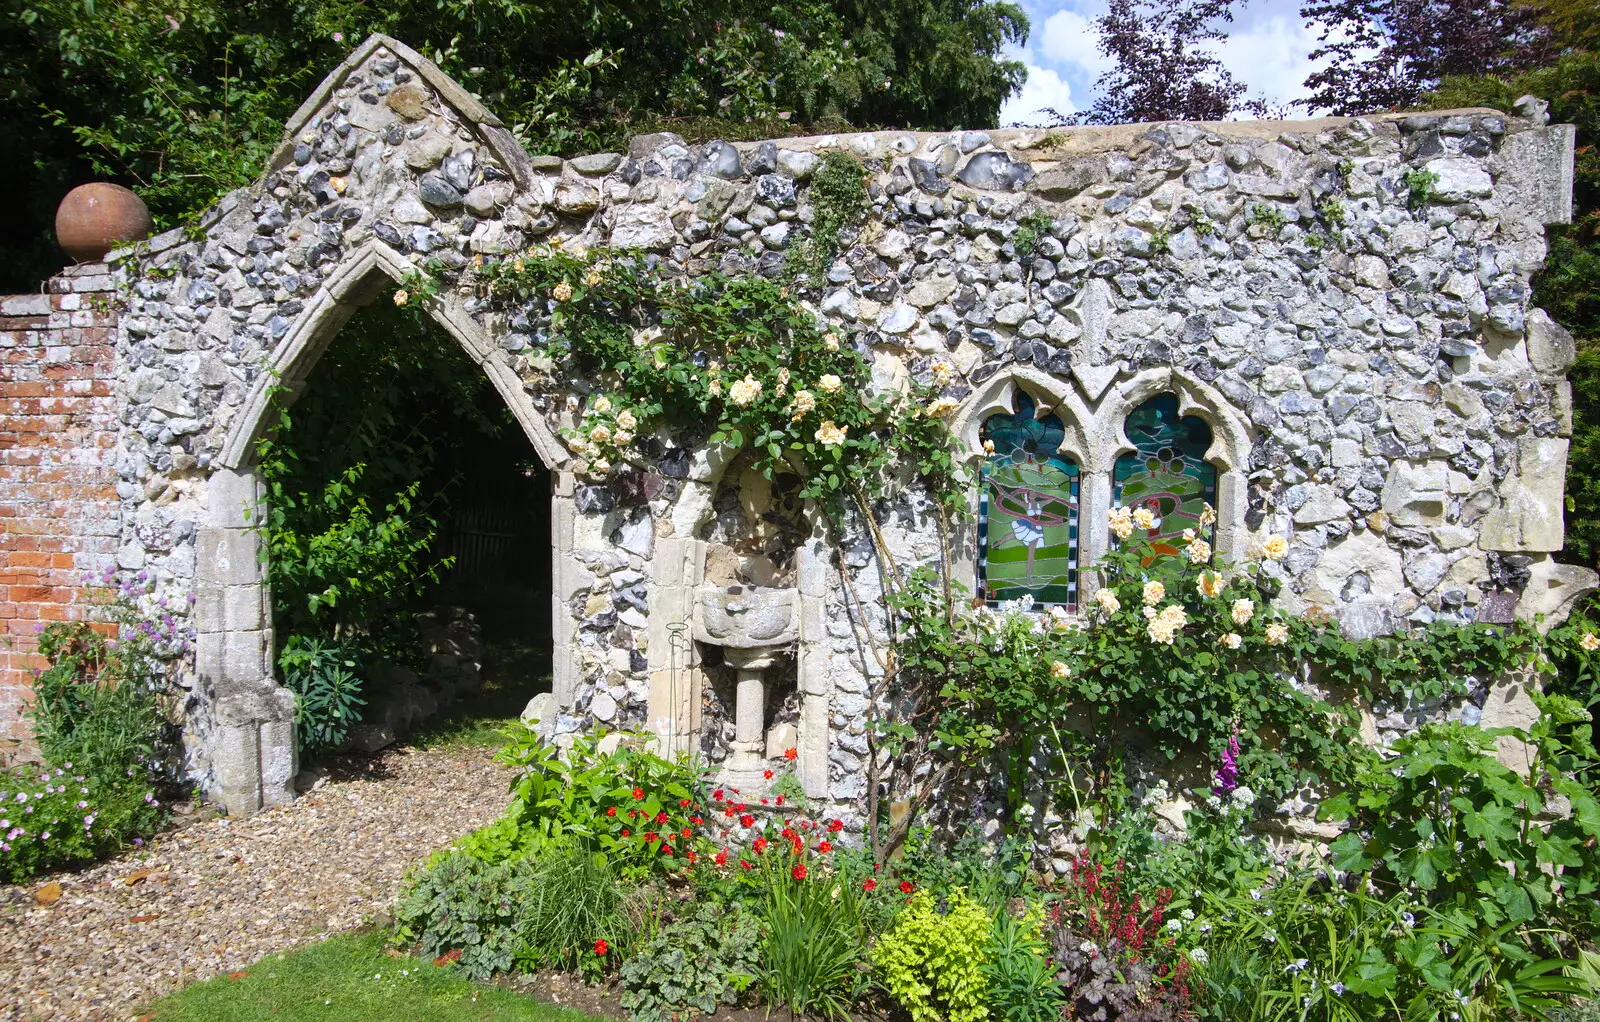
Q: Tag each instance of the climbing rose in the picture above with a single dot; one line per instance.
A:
(1274, 548)
(941, 407)
(401, 297)
(829, 382)
(1233, 640)
(1121, 521)
(804, 401)
(1210, 584)
(1144, 518)
(1108, 601)
(744, 392)
(562, 291)
(1277, 634)
(626, 419)
(1060, 670)
(831, 435)
(1199, 551)
(1589, 642)
(602, 405)
(1243, 611)
(1154, 593)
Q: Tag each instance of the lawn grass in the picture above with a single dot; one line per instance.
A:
(350, 978)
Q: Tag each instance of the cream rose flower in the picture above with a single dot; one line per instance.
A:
(1161, 631)
(1121, 522)
(623, 438)
(626, 420)
(1277, 634)
(602, 405)
(1274, 548)
(562, 291)
(600, 434)
(1589, 642)
(1233, 640)
(600, 466)
(1199, 551)
(830, 340)
(744, 392)
(1175, 615)
(1144, 518)
(1210, 584)
(941, 407)
(988, 447)
(1188, 535)
(1208, 515)
(804, 401)
(1243, 611)
(401, 297)
(830, 383)
(1154, 593)
(943, 372)
(1150, 613)
(783, 375)
(830, 435)
(1060, 670)
(1108, 601)
(592, 278)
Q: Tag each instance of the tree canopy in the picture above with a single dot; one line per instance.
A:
(182, 99)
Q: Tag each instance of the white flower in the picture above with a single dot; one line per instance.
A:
(1243, 796)
(830, 383)
(401, 297)
(1589, 642)
(1154, 593)
(744, 391)
(941, 407)
(1174, 926)
(1198, 955)
(1274, 547)
(626, 420)
(600, 434)
(1208, 515)
(943, 372)
(831, 340)
(1059, 618)
(988, 447)
(1233, 640)
(1108, 601)
(1161, 631)
(1060, 670)
(1144, 518)
(1277, 634)
(783, 375)
(1121, 521)
(1150, 613)
(1199, 551)
(1243, 611)
(714, 388)
(602, 405)
(1210, 584)
(623, 437)
(830, 435)
(562, 291)
(804, 402)
(1175, 615)
(600, 466)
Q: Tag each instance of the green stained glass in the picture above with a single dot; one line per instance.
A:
(1028, 514)
(1167, 472)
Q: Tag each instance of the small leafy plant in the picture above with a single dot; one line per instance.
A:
(1268, 217)
(707, 958)
(327, 690)
(1033, 225)
(933, 962)
(1419, 186)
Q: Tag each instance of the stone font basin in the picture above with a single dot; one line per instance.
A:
(747, 617)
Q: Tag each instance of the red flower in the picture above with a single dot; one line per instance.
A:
(759, 844)
(697, 820)
(693, 855)
(716, 796)
(836, 825)
(869, 884)
(780, 800)
(666, 849)
(791, 754)
(825, 847)
(763, 801)
(649, 836)
(747, 820)
(799, 871)
(746, 865)
(601, 947)
(687, 833)
(611, 810)
(905, 887)
(721, 858)
(741, 807)
(683, 803)
(661, 817)
(768, 775)
(638, 793)
(624, 831)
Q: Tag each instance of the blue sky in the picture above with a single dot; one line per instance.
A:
(1266, 49)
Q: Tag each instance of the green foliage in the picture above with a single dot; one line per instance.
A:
(1268, 217)
(933, 963)
(1306, 947)
(184, 100)
(462, 903)
(1449, 820)
(1022, 984)
(739, 357)
(708, 957)
(345, 978)
(993, 874)
(838, 202)
(628, 807)
(98, 707)
(327, 692)
(1419, 184)
(813, 961)
(60, 817)
(1033, 225)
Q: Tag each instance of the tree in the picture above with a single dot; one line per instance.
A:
(1385, 54)
(1164, 70)
(182, 99)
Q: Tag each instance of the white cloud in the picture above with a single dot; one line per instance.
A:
(1071, 39)
(1271, 57)
(1044, 89)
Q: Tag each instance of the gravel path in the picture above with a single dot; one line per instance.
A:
(220, 894)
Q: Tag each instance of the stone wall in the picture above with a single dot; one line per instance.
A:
(58, 436)
(1379, 390)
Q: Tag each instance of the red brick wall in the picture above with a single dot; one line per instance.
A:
(58, 498)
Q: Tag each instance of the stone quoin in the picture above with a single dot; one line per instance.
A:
(1375, 385)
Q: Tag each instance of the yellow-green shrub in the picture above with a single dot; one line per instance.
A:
(933, 964)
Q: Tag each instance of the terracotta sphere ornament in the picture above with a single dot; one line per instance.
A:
(95, 218)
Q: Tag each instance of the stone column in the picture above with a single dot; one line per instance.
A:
(247, 755)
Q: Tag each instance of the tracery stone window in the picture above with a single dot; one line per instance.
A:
(1028, 510)
(1167, 471)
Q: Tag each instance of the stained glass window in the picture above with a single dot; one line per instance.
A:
(1028, 512)
(1167, 472)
